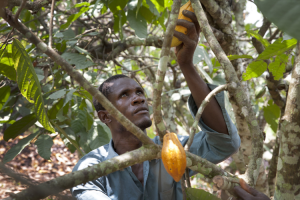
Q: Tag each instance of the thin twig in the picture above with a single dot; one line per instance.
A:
(200, 111)
(51, 24)
(19, 10)
(66, 135)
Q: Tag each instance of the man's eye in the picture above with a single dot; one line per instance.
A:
(124, 95)
(140, 92)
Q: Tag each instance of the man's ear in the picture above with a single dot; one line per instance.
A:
(104, 116)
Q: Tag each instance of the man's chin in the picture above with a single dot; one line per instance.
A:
(145, 124)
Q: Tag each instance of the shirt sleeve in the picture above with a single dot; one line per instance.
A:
(92, 190)
(210, 144)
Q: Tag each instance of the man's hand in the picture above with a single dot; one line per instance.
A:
(253, 195)
(185, 51)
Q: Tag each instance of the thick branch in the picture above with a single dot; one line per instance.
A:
(162, 67)
(221, 17)
(236, 91)
(88, 174)
(80, 79)
(109, 51)
(33, 6)
(288, 176)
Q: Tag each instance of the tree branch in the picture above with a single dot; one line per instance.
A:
(221, 17)
(79, 78)
(162, 67)
(200, 111)
(33, 6)
(237, 93)
(88, 174)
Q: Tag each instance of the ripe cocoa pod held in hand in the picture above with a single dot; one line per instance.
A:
(173, 156)
(187, 6)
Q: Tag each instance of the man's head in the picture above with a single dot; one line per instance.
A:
(128, 97)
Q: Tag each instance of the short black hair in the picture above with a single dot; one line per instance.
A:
(104, 88)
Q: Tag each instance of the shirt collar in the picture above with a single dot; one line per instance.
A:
(111, 151)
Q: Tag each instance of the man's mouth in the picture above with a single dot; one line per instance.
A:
(141, 111)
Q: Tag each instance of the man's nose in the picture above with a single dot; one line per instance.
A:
(137, 99)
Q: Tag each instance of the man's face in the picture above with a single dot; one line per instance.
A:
(128, 97)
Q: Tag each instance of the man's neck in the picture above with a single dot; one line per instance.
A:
(124, 143)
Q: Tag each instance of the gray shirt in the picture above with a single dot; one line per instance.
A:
(158, 184)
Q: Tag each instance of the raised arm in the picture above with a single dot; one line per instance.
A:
(212, 115)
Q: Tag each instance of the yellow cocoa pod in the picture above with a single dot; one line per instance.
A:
(187, 6)
(173, 156)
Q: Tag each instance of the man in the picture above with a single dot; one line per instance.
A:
(149, 180)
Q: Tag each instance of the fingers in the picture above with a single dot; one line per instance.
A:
(246, 187)
(193, 17)
(185, 39)
(242, 193)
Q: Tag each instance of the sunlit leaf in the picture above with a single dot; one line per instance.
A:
(234, 57)
(7, 63)
(259, 38)
(277, 48)
(29, 84)
(255, 69)
(4, 95)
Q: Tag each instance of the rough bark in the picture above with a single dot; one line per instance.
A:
(162, 67)
(288, 176)
(88, 174)
(237, 92)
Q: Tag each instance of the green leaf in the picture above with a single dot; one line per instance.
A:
(199, 194)
(4, 95)
(201, 54)
(69, 96)
(73, 17)
(29, 84)
(272, 114)
(259, 38)
(159, 4)
(98, 135)
(44, 144)
(15, 150)
(234, 57)
(19, 127)
(55, 108)
(277, 67)
(120, 19)
(58, 94)
(138, 23)
(6, 62)
(117, 5)
(283, 13)
(255, 69)
(85, 119)
(277, 48)
(151, 6)
(84, 94)
(79, 60)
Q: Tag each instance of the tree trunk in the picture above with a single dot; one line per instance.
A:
(288, 176)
